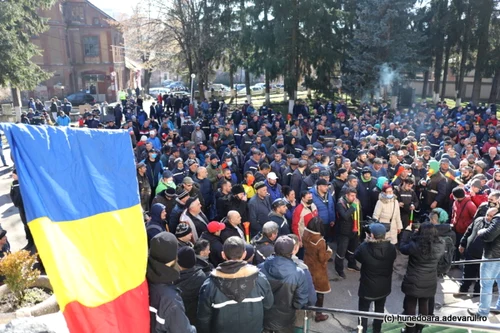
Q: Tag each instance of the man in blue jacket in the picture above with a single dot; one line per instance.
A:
(289, 285)
(273, 188)
(323, 200)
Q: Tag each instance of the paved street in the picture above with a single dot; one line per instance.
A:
(343, 295)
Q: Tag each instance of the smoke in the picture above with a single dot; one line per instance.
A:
(387, 75)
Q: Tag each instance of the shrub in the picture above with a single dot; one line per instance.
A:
(17, 268)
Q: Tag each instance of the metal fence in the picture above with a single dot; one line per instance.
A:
(401, 318)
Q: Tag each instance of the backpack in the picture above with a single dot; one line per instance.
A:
(444, 263)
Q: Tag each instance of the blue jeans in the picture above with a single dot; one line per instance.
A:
(489, 272)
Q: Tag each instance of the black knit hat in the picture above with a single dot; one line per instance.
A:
(162, 260)
(163, 247)
(3, 232)
(186, 258)
(237, 189)
(183, 229)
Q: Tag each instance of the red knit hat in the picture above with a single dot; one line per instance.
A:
(385, 187)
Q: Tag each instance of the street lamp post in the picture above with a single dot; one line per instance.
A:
(191, 102)
(192, 86)
(62, 88)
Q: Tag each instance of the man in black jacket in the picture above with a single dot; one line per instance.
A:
(278, 215)
(213, 236)
(489, 271)
(17, 200)
(233, 226)
(264, 242)
(235, 295)
(190, 281)
(376, 256)
(166, 308)
(473, 246)
(347, 240)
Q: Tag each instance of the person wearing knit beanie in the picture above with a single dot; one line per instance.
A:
(190, 281)
(165, 303)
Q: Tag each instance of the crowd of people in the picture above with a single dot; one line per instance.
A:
(245, 208)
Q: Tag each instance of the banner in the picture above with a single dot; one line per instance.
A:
(80, 193)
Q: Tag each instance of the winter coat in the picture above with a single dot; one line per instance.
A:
(189, 284)
(301, 217)
(205, 191)
(144, 191)
(274, 191)
(367, 196)
(240, 206)
(408, 198)
(345, 221)
(387, 211)
(326, 205)
(284, 227)
(173, 219)
(231, 231)
(264, 248)
(168, 314)
(204, 265)
(155, 225)
(197, 223)
(316, 255)
(462, 214)
(491, 239)
(337, 187)
(166, 308)
(310, 285)
(215, 255)
(377, 259)
(420, 280)
(436, 189)
(296, 182)
(153, 171)
(289, 286)
(258, 213)
(474, 245)
(169, 203)
(234, 298)
(179, 174)
(479, 198)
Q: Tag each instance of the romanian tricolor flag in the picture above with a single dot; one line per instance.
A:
(81, 197)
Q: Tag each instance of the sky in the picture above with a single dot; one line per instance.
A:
(115, 7)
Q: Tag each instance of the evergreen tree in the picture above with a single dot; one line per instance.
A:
(19, 21)
(384, 39)
(484, 13)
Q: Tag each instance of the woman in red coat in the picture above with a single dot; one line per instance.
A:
(316, 255)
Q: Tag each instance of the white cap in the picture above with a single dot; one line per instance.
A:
(272, 175)
(144, 138)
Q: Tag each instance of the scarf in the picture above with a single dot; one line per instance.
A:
(200, 217)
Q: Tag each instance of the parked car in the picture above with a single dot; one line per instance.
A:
(238, 86)
(219, 87)
(254, 90)
(158, 90)
(81, 98)
(176, 86)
